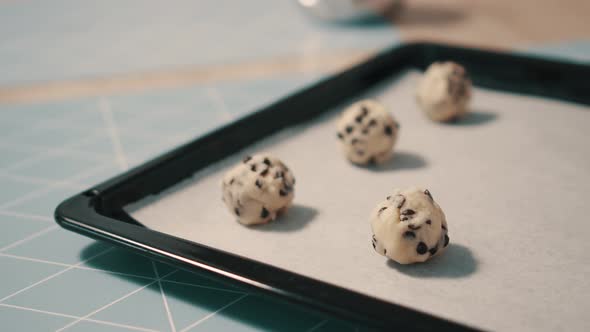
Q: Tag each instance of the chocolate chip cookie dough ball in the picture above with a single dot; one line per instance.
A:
(367, 132)
(409, 226)
(258, 189)
(444, 91)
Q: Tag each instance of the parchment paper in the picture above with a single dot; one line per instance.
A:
(513, 179)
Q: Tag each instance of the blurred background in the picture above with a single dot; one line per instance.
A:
(91, 88)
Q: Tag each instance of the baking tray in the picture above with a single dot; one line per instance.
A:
(511, 178)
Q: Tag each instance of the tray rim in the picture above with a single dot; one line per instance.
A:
(98, 211)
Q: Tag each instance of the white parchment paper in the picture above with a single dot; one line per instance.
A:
(513, 179)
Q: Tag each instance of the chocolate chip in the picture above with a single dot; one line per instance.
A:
(264, 213)
(401, 203)
(364, 111)
(388, 131)
(365, 131)
(232, 181)
(447, 240)
(450, 86)
(384, 251)
(409, 235)
(258, 183)
(278, 174)
(237, 211)
(461, 91)
(372, 161)
(429, 222)
(433, 251)
(381, 209)
(427, 193)
(265, 172)
(340, 136)
(372, 123)
(358, 119)
(266, 161)
(374, 245)
(421, 248)
(404, 219)
(247, 159)
(354, 141)
(283, 193)
(408, 212)
(349, 129)
(253, 168)
(388, 197)
(456, 88)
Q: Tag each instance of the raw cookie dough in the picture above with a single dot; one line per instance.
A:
(258, 189)
(367, 132)
(409, 226)
(444, 91)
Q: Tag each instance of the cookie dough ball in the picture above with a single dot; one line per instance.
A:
(444, 92)
(367, 132)
(409, 226)
(258, 189)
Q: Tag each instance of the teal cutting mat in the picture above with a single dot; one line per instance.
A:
(54, 280)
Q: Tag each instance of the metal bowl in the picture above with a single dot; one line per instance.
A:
(349, 10)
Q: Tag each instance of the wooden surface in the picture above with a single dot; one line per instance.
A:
(494, 24)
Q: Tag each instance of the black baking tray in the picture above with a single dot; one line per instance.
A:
(98, 212)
